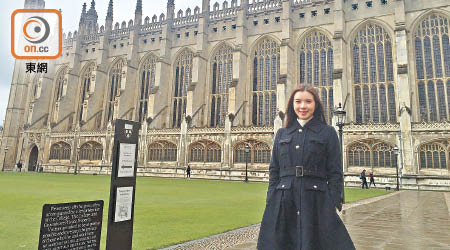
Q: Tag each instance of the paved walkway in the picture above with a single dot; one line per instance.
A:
(401, 220)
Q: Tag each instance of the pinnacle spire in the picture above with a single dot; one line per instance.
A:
(92, 13)
(109, 14)
(84, 9)
(138, 6)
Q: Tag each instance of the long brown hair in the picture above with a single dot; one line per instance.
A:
(318, 111)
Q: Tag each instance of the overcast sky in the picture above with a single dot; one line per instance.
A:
(71, 11)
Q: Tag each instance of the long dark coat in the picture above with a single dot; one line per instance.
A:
(303, 208)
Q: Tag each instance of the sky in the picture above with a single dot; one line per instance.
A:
(123, 10)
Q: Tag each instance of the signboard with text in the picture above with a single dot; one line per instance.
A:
(74, 226)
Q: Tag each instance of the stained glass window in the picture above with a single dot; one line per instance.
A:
(432, 54)
(358, 155)
(60, 84)
(433, 155)
(205, 151)
(114, 87)
(147, 83)
(162, 151)
(373, 74)
(259, 152)
(363, 154)
(265, 76)
(183, 79)
(60, 151)
(319, 46)
(92, 151)
(87, 78)
(222, 74)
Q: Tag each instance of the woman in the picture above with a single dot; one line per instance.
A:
(372, 179)
(305, 181)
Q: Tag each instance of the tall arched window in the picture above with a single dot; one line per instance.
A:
(92, 151)
(183, 77)
(37, 87)
(434, 155)
(60, 151)
(205, 151)
(60, 82)
(86, 79)
(35, 94)
(147, 83)
(259, 152)
(373, 77)
(316, 68)
(114, 90)
(222, 76)
(432, 51)
(162, 151)
(266, 72)
(60, 86)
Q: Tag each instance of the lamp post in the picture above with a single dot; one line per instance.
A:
(77, 158)
(395, 149)
(247, 150)
(340, 122)
(6, 151)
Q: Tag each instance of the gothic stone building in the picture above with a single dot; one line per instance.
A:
(207, 82)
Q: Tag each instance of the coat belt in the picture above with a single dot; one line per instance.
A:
(300, 171)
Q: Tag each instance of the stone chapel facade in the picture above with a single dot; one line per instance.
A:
(207, 82)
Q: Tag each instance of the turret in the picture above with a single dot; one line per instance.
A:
(205, 5)
(34, 4)
(138, 13)
(109, 16)
(170, 9)
(88, 20)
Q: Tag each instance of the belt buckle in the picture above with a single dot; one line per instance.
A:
(298, 171)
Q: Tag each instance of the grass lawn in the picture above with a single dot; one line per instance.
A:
(167, 211)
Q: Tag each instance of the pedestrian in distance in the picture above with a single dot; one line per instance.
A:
(372, 179)
(19, 166)
(305, 181)
(362, 176)
(188, 172)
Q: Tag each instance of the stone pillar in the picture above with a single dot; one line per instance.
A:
(227, 147)
(239, 90)
(341, 85)
(14, 117)
(46, 146)
(109, 142)
(199, 67)
(277, 124)
(286, 81)
(182, 145)
(403, 86)
(145, 143)
(158, 101)
(129, 91)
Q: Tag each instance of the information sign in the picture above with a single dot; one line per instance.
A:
(74, 226)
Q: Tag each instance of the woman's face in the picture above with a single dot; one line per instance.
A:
(304, 105)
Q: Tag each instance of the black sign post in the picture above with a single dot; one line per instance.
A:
(123, 185)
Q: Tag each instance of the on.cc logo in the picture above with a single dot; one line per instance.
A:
(36, 29)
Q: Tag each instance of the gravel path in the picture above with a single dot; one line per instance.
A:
(220, 241)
